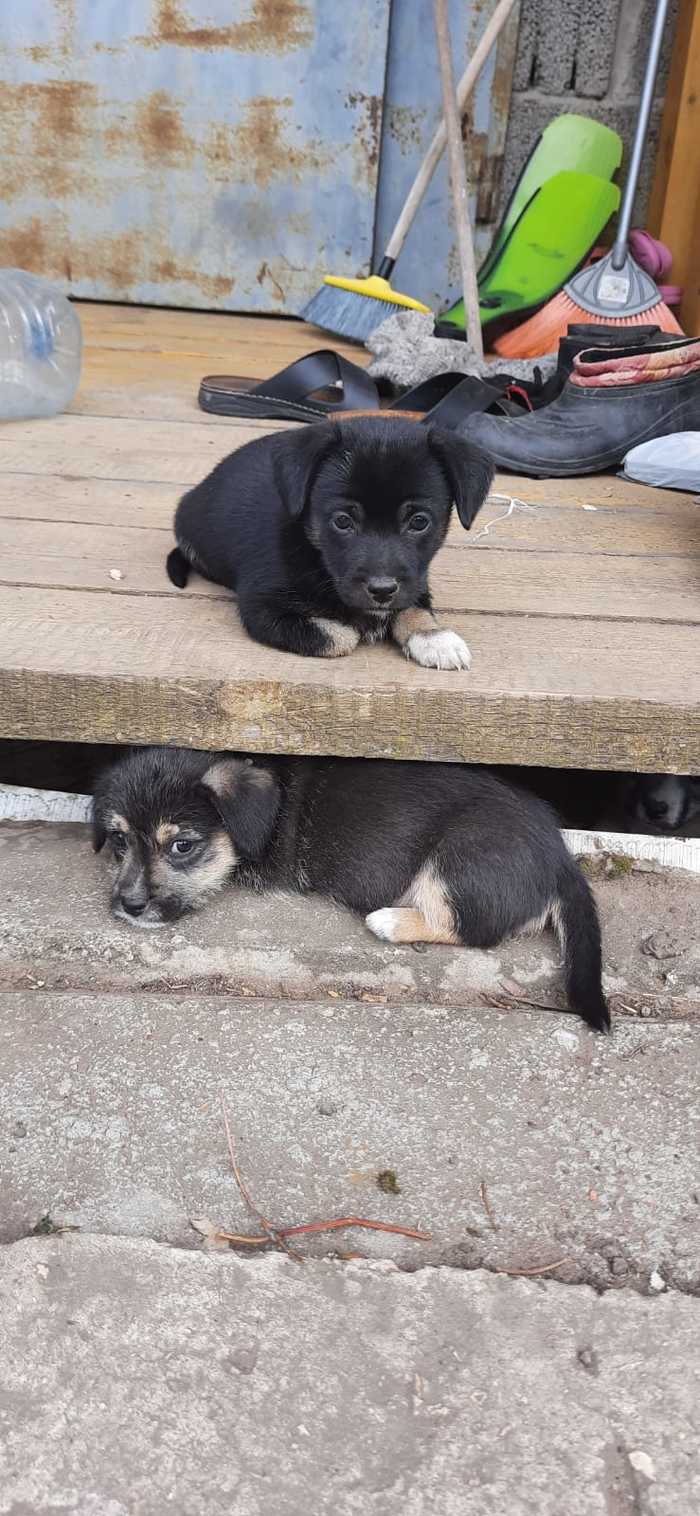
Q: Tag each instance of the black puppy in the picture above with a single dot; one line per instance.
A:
(326, 534)
(426, 852)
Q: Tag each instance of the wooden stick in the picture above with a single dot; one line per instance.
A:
(337, 1224)
(437, 147)
(458, 181)
(271, 1232)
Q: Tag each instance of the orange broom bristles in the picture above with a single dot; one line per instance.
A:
(540, 333)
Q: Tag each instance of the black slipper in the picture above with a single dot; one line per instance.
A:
(293, 394)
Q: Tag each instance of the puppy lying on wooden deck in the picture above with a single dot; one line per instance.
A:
(426, 852)
(326, 534)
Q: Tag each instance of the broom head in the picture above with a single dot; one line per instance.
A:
(354, 307)
(619, 297)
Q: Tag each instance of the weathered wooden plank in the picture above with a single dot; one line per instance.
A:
(114, 668)
(250, 345)
(673, 526)
(107, 447)
(73, 556)
(600, 490)
(107, 663)
(181, 450)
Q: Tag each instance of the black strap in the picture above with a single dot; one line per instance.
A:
(469, 398)
(317, 371)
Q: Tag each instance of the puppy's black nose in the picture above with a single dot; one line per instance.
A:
(655, 809)
(133, 907)
(382, 591)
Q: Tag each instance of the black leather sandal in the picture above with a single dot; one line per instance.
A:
(295, 393)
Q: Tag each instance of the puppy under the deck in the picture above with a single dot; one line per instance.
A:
(426, 852)
(326, 534)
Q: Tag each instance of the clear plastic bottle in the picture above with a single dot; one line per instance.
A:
(40, 347)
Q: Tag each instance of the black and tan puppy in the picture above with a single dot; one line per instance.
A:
(326, 534)
(425, 852)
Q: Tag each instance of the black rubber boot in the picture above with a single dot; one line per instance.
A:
(589, 429)
(580, 336)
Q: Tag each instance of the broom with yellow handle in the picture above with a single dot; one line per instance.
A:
(352, 308)
(615, 290)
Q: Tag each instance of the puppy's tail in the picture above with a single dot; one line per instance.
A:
(576, 920)
(178, 567)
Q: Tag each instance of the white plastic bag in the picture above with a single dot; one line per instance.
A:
(672, 463)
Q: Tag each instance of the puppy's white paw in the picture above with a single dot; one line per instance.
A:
(382, 923)
(440, 649)
(342, 639)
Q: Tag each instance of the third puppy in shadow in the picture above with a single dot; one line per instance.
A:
(326, 534)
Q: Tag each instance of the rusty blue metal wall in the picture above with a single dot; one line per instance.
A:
(216, 153)
(428, 268)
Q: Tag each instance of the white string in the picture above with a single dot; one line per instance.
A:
(513, 505)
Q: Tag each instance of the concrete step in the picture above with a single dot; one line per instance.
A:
(587, 1146)
(56, 933)
(339, 1059)
(137, 1378)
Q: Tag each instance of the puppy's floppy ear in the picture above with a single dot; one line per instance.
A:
(469, 471)
(247, 800)
(296, 459)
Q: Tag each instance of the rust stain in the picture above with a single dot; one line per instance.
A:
(24, 246)
(39, 53)
(258, 149)
(159, 130)
(153, 133)
(212, 285)
(490, 175)
(265, 273)
(369, 127)
(44, 127)
(274, 26)
(61, 107)
(406, 126)
(123, 261)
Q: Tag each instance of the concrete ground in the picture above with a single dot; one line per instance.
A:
(537, 1354)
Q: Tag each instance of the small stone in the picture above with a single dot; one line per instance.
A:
(116, 574)
(588, 1359)
(19, 1129)
(244, 1357)
(618, 1265)
(643, 1464)
(42, 1270)
(656, 1281)
(663, 944)
(327, 1108)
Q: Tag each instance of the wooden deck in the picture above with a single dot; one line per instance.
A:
(579, 599)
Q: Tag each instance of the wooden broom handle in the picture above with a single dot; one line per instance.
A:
(458, 181)
(437, 146)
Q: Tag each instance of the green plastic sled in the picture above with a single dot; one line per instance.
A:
(570, 142)
(552, 237)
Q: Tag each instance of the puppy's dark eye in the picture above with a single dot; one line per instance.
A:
(182, 846)
(118, 843)
(419, 522)
(343, 522)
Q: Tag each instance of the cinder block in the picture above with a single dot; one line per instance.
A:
(557, 38)
(632, 46)
(596, 47)
(526, 54)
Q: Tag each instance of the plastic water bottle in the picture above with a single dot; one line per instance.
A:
(40, 347)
